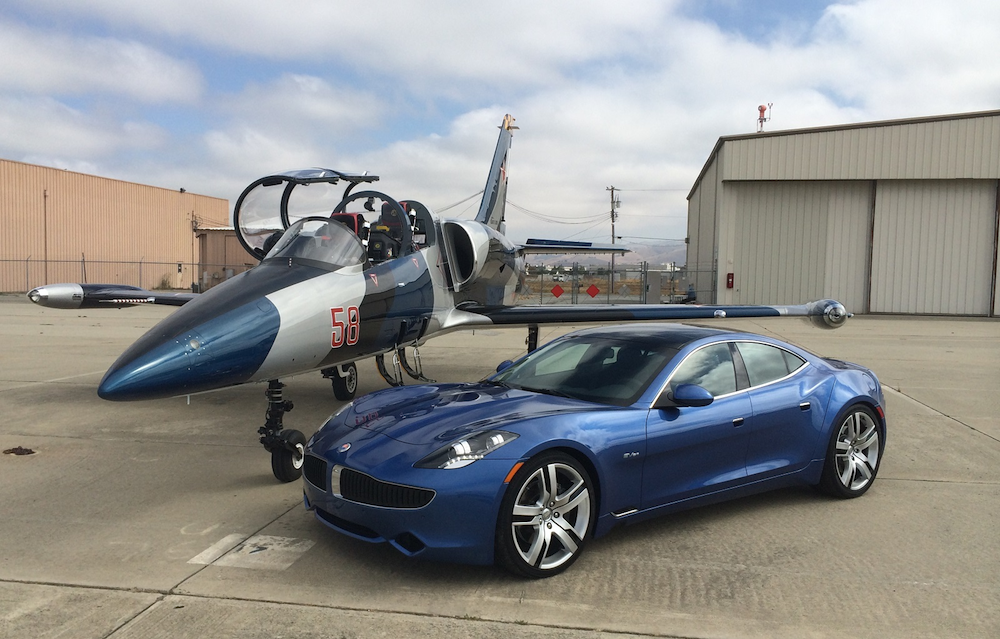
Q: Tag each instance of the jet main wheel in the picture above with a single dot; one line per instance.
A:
(345, 386)
(546, 516)
(852, 460)
(286, 461)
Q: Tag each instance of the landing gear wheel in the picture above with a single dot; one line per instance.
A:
(546, 516)
(345, 384)
(853, 457)
(286, 460)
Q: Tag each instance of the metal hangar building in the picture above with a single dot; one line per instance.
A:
(895, 216)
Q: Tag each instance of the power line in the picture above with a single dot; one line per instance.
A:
(451, 206)
(555, 220)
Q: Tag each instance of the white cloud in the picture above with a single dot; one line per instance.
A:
(306, 106)
(41, 61)
(40, 127)
(634, 96)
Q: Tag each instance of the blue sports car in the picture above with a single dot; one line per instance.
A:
(597, 428)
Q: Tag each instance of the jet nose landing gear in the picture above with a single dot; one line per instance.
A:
(287, 447)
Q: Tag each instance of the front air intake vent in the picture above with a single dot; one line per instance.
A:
(314, 470)
(364, 489)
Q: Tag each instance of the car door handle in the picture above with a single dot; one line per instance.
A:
(805, 406)
(738, 421)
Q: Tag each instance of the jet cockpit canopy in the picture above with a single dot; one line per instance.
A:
(273, 203)
(321, 242)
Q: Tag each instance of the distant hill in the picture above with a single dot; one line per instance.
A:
(654, 255)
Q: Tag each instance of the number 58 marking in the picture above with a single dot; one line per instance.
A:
(346, 326)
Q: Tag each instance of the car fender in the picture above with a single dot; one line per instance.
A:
(856, 386)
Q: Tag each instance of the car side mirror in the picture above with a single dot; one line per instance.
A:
(690, 395)
(504, 365)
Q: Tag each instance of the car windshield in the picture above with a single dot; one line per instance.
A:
(319, 242)
(596, 368)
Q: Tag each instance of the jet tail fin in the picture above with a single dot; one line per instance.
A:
(491, 210)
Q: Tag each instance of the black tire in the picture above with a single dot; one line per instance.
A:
(854, 453)
(286, 461)
(345, 387)
(541, 531)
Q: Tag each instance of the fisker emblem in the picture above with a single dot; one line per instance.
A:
(344, 448)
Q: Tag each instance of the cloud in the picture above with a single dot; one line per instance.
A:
(449, 43)
(41, 127)
(634, 96)
(306, 106)
(47, 62)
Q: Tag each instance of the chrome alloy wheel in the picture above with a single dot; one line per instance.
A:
(550, 516)
(857, 451)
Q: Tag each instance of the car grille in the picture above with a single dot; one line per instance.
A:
(364, 489)
(314, 469)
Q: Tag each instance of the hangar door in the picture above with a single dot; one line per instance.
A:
(933, 246)
(795, 242)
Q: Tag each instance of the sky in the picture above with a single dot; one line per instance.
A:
(209, 95)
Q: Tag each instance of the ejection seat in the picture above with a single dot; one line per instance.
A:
(390, 236)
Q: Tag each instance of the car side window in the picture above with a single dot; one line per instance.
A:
(710, 367)
(766, 363)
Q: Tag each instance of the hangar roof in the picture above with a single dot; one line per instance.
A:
(964, 145)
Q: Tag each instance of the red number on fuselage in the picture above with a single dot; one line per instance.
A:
(349, 332)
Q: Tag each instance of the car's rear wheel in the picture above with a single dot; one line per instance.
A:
(546, 516)
(854, 454)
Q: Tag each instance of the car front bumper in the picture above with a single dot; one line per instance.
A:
(457, 523)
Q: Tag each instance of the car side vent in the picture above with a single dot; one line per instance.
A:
(359, 487)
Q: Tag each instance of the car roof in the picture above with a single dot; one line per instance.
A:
(669, 334)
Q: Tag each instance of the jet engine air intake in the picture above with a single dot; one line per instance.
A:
(466, 246)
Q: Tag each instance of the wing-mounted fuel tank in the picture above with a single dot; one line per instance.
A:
(481, 263)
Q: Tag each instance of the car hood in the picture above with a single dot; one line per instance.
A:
(441, 413)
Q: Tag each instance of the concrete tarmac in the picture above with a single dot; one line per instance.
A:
(162, 518)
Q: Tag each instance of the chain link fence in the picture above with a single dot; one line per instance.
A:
(19, 276)
(641, 283)
(577, 284)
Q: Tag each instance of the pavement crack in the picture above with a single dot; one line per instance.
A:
(937, 412)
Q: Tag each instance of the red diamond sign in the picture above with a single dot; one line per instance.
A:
(593, 290)
(557, 290)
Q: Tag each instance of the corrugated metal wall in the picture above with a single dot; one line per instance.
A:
(933, 247)
(222, 256)
(701, 237)
(909, 213)
(85, 220)
(791, 242)
(848, 232)
(947, 148)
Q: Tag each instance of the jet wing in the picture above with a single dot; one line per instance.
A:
(823, 313)
(102, 296)
(539, 247)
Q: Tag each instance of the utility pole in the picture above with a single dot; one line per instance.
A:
(615, 203)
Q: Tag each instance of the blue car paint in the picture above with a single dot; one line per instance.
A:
(391, 430)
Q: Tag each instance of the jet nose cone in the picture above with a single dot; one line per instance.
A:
(191, 353)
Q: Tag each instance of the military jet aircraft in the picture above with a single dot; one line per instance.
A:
(343, 276)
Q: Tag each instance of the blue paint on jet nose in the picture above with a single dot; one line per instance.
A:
(220, 351)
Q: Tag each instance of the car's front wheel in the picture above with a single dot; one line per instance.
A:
(546, 516)
(854, 454)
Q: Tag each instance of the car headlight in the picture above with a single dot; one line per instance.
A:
(467, 450)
